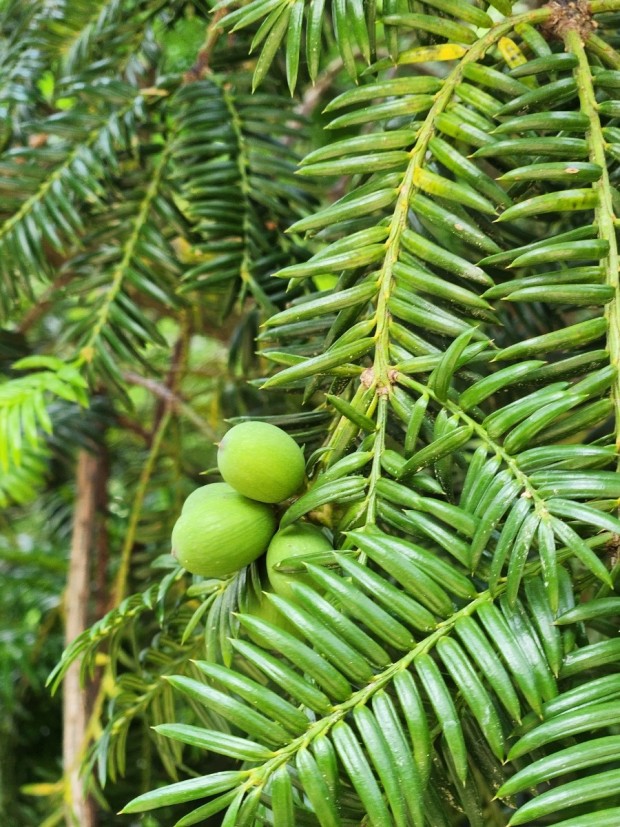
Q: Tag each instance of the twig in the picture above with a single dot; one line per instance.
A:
(314, 93)
(120, 584)
(201, 66)
(128, 424)
(175, 373)
(172, 400)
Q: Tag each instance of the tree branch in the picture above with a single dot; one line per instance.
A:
(172, 400)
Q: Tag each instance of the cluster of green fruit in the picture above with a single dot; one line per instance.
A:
(225, 526)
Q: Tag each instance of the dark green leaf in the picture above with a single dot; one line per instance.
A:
(351, 207)
(444, 445)
(569, 172)
(361, 775)
(508, 646)
(282, 675)
(359, 294)
(340, 490)
(188, 790)
(483, 654)
(382, 759)
(566, 121)
(392, 554)
(558, 92)
(584, 719)
(594, 656)
(351, 413)
(376, 619)
(437, 25)
(215, 741)
(592, 788)
(329, 645)
(440, 379)
(325, 675)
(558, 251)
(420, 279)
(339, 623)
(577, 294)
(336, 356)
(442, 703)
(568, 338)
(428, 251)
(581, 550)
(281, 790)
(255, 724)
(502, 378)
(569, 148)
(549, 63)
(317, 791)
(348, 260)
(603, 607)
(561, 201)
(474, 693)
(390, 597)
(269, 702)
(570, 759)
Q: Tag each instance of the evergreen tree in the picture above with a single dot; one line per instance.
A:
(388, 228)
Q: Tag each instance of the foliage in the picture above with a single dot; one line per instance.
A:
(30, 644)
(433, 292)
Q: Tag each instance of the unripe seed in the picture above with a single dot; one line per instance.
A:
(261, 461)
(221, 532)
(297, 540)
(200, 496)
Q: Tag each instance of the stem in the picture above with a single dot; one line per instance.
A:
(198, 71)
(314, 93)
(201, 66)
(384, 373)
(603, 213)
(408, 187)
(161, 420)
(120, 584)
(379, 446)
(169, 397)
(92, 727)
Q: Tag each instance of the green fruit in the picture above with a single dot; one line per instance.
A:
(201, 495)
(222, 534)
(261, 461)
(297, 540)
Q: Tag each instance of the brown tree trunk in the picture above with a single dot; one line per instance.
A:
(91, 471)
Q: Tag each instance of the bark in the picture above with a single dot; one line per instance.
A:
(79, 810)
